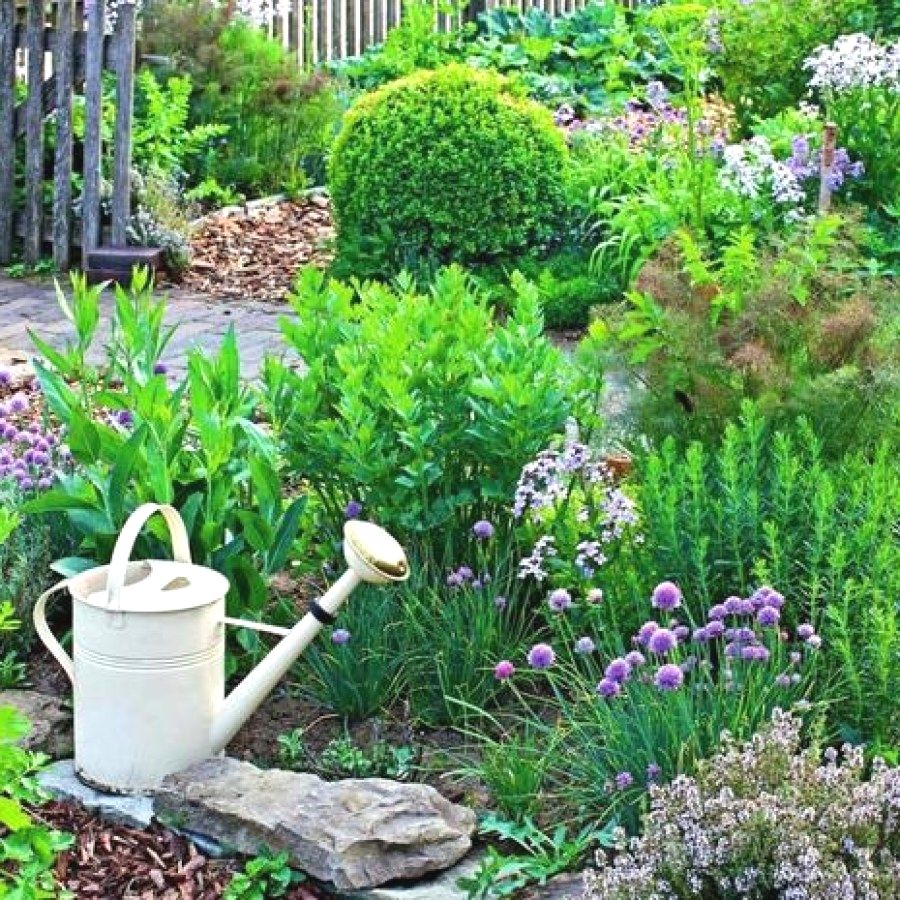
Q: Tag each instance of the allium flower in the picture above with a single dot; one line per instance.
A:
(160, 368)
(653, 771)
(814, 641)
(635, 659)
(768, 616)
(805, 631)
(541, 656)
(609, 688)
(466, 573)
(646, 631)
(718, 611)
(559, 600)
(584, 645)
(754, 653)
(353, 509)
(618, 670)
(783, 680)
(340, 636)
(500, 601)
(714, 629)
(503, 670)
(662, 641)
(682, 632)
(454, 579)
(624, 780)
(669, 677)
(483, 530)
(666, 596)
(595, 595)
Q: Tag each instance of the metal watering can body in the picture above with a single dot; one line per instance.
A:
(148, 653)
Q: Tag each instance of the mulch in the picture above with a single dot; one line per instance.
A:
(114, 862)
(254, 252)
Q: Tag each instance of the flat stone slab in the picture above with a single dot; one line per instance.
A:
(440, 887)
(355, 833)
(50, 718)
(62, 782)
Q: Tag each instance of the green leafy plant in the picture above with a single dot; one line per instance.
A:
(342, 758)
(444, 166)
(264, 876)
(539, 856)
(291, 748)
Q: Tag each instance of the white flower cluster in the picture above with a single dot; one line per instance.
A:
(855, 61)
(751, 170)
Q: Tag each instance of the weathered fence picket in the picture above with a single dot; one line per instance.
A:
(64, 46)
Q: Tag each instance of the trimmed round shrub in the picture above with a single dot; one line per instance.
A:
(445, 165)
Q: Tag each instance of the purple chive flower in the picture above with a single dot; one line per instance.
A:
(559, 600)
(733, 605)
(18, 404)
(618, 670)
(768, 616)
(26, 483)
(541, 656)
(805, 631)
(465, 573)
(681, 632)
(503, 670)
(340, 636)
(718, 611)
(714, 629)
(483, 530)
(814, 641)
(609, 688)
(662, 641)
(624, 780)
(125, 418)
(783, 680)
(500, 602)
(454, 579)
(646, 631)
(635, 659)
(5, 377)
(754, 653)
(669, 677)
(45, 483)
(701, 635)
(666, 596)
(795, 658)
(732, 650)
(653, 772)
(584, 645)
(353, 509)
(160, 368)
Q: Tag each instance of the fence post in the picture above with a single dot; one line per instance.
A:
(34, 133)
(63, 69)
(93, 114)
(7, 125)
(121, 200)
(829, 143)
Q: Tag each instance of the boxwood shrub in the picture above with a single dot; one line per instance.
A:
(441, 166)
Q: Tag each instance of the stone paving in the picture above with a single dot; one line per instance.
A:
(202, 323)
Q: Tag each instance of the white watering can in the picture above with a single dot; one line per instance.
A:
(148, 660)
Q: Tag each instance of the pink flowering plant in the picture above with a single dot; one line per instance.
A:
(630, 716)
(764, 819)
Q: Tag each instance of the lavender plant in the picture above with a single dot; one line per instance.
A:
(765, 820)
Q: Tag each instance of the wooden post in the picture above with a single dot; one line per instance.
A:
(121, 199)
(63, 69)
(829, 143)
(93, 115)
(7, 125)
(34, 133)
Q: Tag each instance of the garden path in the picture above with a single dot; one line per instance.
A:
(202, 321)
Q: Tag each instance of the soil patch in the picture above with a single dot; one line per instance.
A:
(253, 253)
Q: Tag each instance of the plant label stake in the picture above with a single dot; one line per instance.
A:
(148, 657)
(829, 143)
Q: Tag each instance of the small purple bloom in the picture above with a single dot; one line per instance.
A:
(584, 645)
(754, 653)
(653, 772)
(618, 670)
(353, 509)
(26, 483)
(541, 656)
(666, 596)
(125, 418)
(768, 616)
(681, 632)
(5, 377)
(454, 579)
(465, 573)
(18, 404)
(559, 600)
(45, 483)
(483, 530)
(783, 680)
(340, 636)
(718, 611)
(624, 780)
(500, 602)
(805, 631)
(635, 659)
(814, 641)
(795, 658)
(646, 631)
(160, 368)
(669, 677)
(662, 641)
(609, 688)
(503, 670)
(714, 629)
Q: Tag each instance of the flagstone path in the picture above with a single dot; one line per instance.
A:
(202, 322)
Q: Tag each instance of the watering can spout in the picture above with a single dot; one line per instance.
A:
(372, 556)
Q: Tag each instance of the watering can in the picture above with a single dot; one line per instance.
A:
(148, 657)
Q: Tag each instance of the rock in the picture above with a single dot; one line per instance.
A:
(61, 781)
(51, 722)
(562, 887)
(442, 887)
(356, 833)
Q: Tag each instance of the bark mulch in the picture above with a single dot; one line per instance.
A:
(114, 862)
(253, 253)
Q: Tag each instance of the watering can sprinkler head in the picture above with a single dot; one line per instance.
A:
(373, 554)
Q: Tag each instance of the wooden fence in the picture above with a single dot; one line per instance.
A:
(318, 31)
(63, 45)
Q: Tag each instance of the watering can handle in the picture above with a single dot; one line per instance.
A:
(118, 565)
(47, 636)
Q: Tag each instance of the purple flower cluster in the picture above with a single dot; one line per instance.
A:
(30, 453)
(464, 576)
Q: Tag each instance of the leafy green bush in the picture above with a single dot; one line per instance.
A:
(761, 47)
(444, 166)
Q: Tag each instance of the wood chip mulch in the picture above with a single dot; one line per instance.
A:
(113, 862)
(254, 253)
